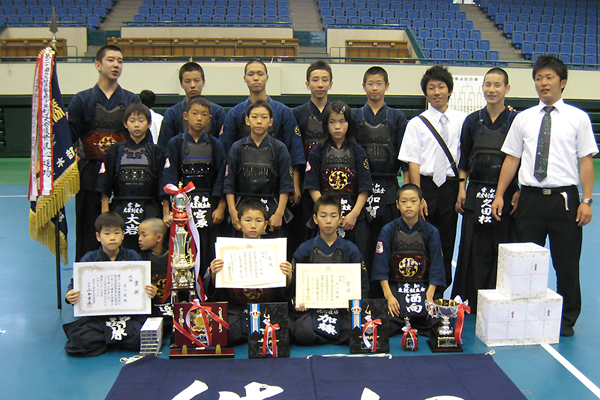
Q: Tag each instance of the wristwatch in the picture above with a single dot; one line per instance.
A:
(587, 201)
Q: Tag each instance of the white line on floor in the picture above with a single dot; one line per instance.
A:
(576, 373)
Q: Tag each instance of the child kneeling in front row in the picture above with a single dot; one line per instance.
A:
(408, 263)
(92, 336)
(253, 220)
(152, 234)
(326, 325)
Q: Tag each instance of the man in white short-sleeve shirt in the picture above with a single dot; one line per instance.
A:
(427, 160)
(549, 204)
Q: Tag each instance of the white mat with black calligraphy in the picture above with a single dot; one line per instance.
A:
(469, 376)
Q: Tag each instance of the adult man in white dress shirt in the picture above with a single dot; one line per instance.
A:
(548, 140)
(429, 165)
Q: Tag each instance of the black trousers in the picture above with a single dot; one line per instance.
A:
(554, 215)
(442, 214)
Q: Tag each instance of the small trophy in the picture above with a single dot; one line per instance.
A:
(410, 339)
(445, 339)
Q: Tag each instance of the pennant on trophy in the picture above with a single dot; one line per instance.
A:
(54, 177)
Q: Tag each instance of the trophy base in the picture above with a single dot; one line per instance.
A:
(443, 344)
(202, 353)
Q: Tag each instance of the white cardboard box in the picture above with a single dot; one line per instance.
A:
(522, 270)
(502, 321)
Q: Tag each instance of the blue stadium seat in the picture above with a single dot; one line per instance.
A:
(418, 23)
(463, 34)
(437, 33)
(66, 18)
(484, 45)
(539, 47)
(452, 54)
(468, 25)
(565, 57)
(476, 34)
(165, 18)
(193, 18)
(207, 18)
(509, 28)
(590, 49)
(340, 20)
(400, 14)
(458, 44)
(590, 39)
(430, 43)
(443, 24)
(178, 18)
(590, 59)
(500, 20)
(38, 19)
(544, 28)
(444, 44)
(139, 18)
(568, 28)
(554, 38)
(430, 23)
(529, 37)
(143, 10)
(455, 24)
(579, 30)
(471, 45)
(424, 14)
(450, 34)
(493, 55)
(327, 20)
(152, 19)
(527, 50)
(466, 55)
(517, 39)
(479, 55)
(578, 48)
(168, 10)
(393, 21)
(100, 11)
(553, 48)
(565, 48)
(423, 33)
(438, 54)
(567, 38)
(542, 37)
(579, 39)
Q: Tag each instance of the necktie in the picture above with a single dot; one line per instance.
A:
(441, 160)
(543, 146)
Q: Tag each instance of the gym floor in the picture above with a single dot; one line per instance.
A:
(34, 365)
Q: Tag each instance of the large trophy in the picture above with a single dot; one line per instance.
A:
(446, 339)
(182, 259)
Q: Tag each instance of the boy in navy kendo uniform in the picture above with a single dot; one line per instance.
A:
(96, 123)
(326, 325)
(379, 130)
(260, 166)
(483, 133)
(192, 81)
(283, 128)
(152, 234)
(131, 174)
(196, 157)
(91, 336)
(253, 221)
(319, 80)
(408, 263)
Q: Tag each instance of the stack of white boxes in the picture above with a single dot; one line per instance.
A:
(151, 336)
(521, 310)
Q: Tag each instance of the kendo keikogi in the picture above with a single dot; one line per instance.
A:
(201, 163)
(410, 260)
(326, 325)
(345, 172)
(131, 173)
(481, 234)
(96, 123)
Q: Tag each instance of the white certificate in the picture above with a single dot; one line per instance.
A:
(327, 285)
(112, 288)
(250, 263)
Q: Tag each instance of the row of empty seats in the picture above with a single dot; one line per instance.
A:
(213, 3)
(88, 13)
(535, 27)
(454, 56)
(442, 5)
(56, 3)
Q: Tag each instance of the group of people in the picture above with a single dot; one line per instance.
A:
(327, 178)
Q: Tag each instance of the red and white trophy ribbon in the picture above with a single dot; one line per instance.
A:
(373, 324)
(205, 312)
(412, 333)
(460, 318)
(270, 333)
